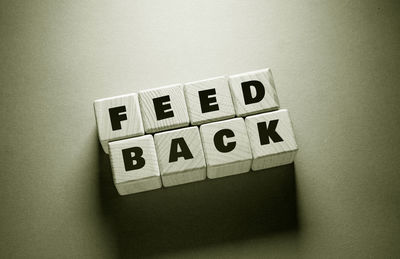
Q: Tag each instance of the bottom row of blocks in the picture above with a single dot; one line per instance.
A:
(186, 155)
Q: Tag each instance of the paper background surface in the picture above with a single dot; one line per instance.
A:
(336, 69)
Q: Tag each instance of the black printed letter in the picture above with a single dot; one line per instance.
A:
(128, 158)
(162, 108)
(116, 117)
(266, 133)
(260, 91)
(174, 154)
(207, 103)
(219, 140)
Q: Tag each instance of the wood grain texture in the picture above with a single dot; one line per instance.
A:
(178, 106)
(131, 127)
(268, 103)
(183, 170)
(220, 164)
(274, 153)
(222, 95)
(138, 180)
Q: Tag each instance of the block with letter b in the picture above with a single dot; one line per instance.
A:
(209, 100)
(163, 108)
(117, 118)
(226, 147)
(253, 92)
(271, 138)
(180, 156)
(134, 165)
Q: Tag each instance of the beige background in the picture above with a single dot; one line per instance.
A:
(336, 68)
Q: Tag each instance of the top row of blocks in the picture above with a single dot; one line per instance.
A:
(176, 106)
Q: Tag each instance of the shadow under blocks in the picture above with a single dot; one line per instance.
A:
(199, 214)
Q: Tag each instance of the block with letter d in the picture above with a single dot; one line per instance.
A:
(253, 92)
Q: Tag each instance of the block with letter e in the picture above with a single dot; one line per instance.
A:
(271, 138)
(118, 118)
(134, 165)
(209, 100)
(253, 92)
(163, 108)
(180, 156)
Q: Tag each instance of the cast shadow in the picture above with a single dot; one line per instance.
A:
(211, 212)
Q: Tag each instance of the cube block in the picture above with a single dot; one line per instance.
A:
(253, 92)
(118, 118)
(271, 138)
(209, 100)
(163, 108)
(180, 156)
(134, 165)
(226, 148)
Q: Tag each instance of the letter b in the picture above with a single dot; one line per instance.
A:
(129, 159)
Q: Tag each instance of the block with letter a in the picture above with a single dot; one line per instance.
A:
(271, 138)
(253, 92)
(134, 165)
(118, 118)
(180, 156)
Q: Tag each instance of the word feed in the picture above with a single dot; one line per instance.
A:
(184, 133)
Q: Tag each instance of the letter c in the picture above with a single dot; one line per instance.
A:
(219, 141)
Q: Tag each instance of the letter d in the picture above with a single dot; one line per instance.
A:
(260, 91)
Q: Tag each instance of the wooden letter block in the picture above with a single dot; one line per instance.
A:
(180, 156)
(272, 139)
(209, 100)
(253, 92)
(163, 108)
(134, 165)
(226, 148)
(117, 118)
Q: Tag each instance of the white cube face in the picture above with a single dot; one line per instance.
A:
(117, 118)
(226, 147)
(272, 139)
(209, 100)
(163, 108)
(180, 156)
(134, 164)
(253, 92)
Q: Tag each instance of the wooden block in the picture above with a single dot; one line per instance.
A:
(134, 165)
(180, 156)
(163, 108)
(209, 100)
(253, 92)
(226, 147)
(271, 138)
(117, 118)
